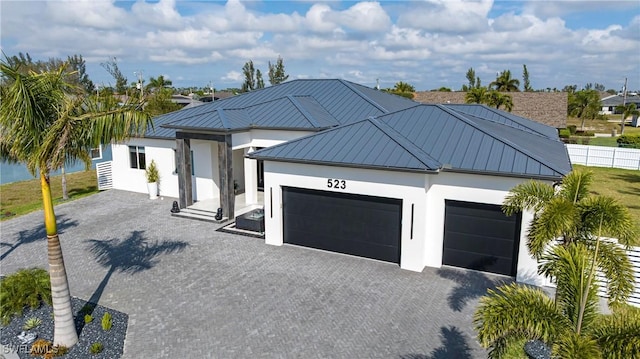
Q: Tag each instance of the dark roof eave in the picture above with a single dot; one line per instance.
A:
(349, 165)
(504, 174)
(246, 128)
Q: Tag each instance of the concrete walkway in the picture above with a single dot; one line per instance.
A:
(192, 292)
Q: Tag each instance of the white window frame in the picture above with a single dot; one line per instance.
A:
(137, 152)
(99, 157)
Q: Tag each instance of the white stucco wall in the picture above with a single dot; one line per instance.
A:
(479, 189)
(130, 179)
(264, 138)
(408, 187)
(427, 194)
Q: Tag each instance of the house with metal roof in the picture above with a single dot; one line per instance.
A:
(608, 104)
(337, 166)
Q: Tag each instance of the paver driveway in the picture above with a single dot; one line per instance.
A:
(226, 296)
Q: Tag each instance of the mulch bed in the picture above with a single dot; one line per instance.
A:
(112, 340)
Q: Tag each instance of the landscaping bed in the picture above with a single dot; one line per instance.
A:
(112, 340)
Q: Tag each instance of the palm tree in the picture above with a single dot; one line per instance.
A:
(477, 95)
(627, 111)
(505, 83)
(44, 122)
(159, 83)
(571, 325)
(403, 87)
(571, 215)
(498, 99)
(584, 104)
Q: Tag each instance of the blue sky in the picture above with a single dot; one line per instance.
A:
(429, 43)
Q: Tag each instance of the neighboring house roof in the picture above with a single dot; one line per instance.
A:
(616, 100)
(298, 104)
(548, 108)
(427, 138)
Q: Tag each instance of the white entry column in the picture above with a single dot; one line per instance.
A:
(250, 178)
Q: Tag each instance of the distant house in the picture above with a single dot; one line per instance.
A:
(345, 168)
(549, 108)
(609, 103)
(183, 100)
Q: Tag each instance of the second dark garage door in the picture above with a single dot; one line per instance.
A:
(479, 236)
(364, 226)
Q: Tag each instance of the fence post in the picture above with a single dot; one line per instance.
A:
(613, 158)
(587, 159)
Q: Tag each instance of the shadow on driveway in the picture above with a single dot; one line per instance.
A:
(470, 285)
(131, 255)
(454, 345)
(36, 234)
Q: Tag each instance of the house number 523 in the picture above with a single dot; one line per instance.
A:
(336, 183)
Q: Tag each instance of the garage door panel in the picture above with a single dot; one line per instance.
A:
(358, 225)
(479, 236)
(482, 244)
(481, 262)
(503, 227)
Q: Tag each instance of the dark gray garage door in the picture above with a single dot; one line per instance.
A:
(363, 226)
(479, 236)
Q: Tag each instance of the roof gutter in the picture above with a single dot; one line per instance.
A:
(348, 165)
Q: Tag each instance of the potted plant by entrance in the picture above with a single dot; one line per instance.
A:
(153, 178)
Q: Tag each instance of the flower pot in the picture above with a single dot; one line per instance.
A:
(153, 190)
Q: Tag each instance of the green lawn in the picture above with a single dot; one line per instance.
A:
(623, 185)
(23, 197)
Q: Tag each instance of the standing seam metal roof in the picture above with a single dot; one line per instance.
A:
(327, 102)
(435, 137)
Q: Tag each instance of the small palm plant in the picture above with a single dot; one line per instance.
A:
(569, 214)
(569, 323)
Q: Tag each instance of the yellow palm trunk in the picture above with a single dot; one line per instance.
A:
(64, 328)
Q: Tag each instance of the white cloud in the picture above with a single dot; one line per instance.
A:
(160, 14)
(408, 41)
(89, 13)
(448, 16)
(233, 76)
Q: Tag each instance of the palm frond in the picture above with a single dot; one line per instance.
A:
(576, 346)
(618, 334)
(558, 219)
(575, 185)
(614, 263)
(615, 218)
(532, 195)
(570, 265)
(515, 311)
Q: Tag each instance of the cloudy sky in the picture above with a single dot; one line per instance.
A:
(428, 43)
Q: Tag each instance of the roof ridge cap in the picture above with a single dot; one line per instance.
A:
(303, 111)
(391, 133)
(364, 97)
(496, 112)
(507, 142)
(223, 117)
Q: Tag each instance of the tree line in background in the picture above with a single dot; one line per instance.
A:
(253, 77)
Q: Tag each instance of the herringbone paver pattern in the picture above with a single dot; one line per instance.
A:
(227, 296)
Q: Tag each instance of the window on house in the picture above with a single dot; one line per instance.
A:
(96, 153)
(136, 157)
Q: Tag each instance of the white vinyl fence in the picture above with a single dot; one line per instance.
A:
(599, 156)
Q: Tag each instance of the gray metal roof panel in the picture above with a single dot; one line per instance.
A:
(472, 143)
(377, 146)
(506, 118)
(330, 102)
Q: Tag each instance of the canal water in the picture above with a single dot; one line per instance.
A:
(18, 172)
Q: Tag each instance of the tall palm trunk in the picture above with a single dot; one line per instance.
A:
(64, 332)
